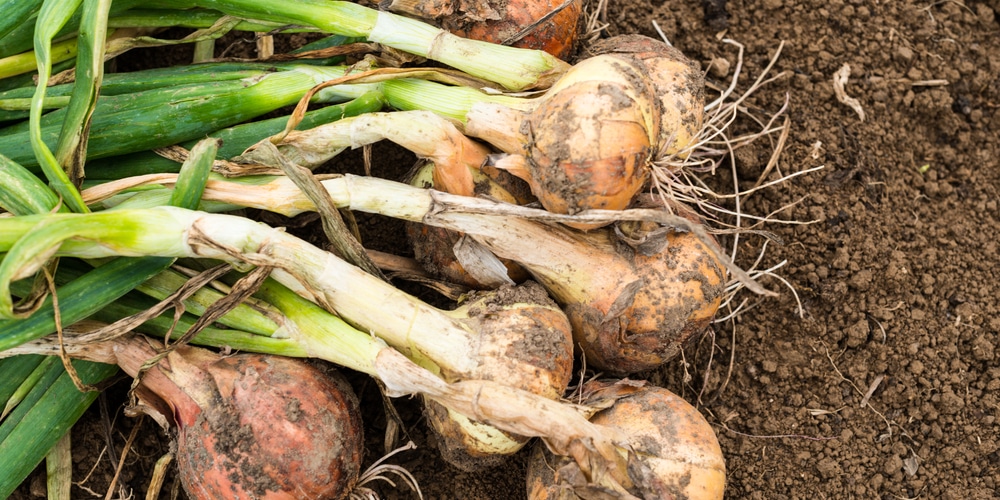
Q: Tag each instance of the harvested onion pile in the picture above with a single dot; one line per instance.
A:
(606, 267)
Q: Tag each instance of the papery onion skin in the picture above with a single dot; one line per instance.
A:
(525, 343)
(279, 429)
(678, 450)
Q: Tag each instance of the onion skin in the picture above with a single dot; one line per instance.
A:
(255, 426)
(679, 453)
(678, 83)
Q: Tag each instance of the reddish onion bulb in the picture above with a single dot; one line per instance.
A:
(253, 426)
(507, 22)
(556, 35)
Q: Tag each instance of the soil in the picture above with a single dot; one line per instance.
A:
(888, 386)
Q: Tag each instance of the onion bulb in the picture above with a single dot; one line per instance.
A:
(252, 425)
(549, 25)
(524, 23)
(590, 140)
(435, 247)
(523, 341)
(678, 451)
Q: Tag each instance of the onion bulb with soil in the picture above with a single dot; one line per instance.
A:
(523, 341)
(435, 248)
(252, 425)
(589, 142)
(678, 453)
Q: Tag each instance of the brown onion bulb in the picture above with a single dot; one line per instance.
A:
(680, 291)
(591, 139)
(526, 343)
(632, 308)
(556, 35)
(675, 453)
(683, 283)
(506, 22)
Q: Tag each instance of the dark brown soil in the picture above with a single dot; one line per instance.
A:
(889, 387)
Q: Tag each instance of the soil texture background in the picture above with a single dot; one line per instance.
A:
(888, 385)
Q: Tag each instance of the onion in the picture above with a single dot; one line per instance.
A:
(630, 311)
(679, 454)
(589, 141)
(252, 425)
(524, 342)
(677, 82)
(524, 23)
(631, 308)
(549, 25)
(517, 335)
(435, 248)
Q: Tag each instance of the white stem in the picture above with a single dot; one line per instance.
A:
(421, 331)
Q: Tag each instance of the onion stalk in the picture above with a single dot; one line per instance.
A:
(514, 69)
(165, 116)
(317, 274)
(630, 311)
(514, 335)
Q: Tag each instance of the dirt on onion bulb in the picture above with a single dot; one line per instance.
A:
(589, 142)
(524, 341)
(678, 451)
(249, 425)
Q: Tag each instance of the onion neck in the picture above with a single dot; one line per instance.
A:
(181, 383)
(499, 125)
